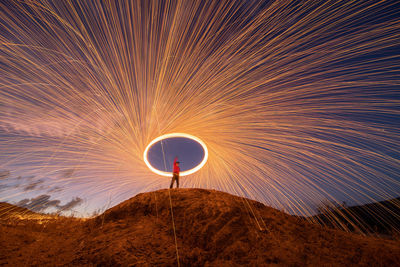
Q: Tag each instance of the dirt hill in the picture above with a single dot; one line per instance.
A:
(212, 229)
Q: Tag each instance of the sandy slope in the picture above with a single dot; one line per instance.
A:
(212, 228)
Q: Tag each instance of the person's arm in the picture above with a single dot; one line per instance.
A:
(176, 158)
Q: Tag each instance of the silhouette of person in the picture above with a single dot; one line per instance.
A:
(175, 174)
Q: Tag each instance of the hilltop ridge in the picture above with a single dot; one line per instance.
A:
(212, 229)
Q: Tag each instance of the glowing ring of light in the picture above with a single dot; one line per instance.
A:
(165, 136)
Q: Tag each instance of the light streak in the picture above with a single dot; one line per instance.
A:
(297, 102)
(171, 135)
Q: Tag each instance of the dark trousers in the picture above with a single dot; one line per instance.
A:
(175, 177)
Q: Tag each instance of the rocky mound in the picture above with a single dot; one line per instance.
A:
(211, 228)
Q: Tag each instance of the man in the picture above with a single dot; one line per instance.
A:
(175, 174)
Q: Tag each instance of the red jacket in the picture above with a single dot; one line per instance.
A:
(176, 167)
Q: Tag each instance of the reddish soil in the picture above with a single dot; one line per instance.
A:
(212, 229)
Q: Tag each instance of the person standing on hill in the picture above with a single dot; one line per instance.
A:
(175, 174)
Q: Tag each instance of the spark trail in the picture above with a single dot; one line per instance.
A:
(297, 102)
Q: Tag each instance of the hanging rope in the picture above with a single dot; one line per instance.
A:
(173, 226)
(170, 199)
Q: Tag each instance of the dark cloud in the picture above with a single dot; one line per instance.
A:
(26, 183)
(23, 202)
(3, 186)
(55, 189)
(72, 204)
(43, 202)
(39, 203)
(67, 173)
(4, 174)
(33, 185)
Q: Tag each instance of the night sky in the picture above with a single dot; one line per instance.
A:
(298, 102)
(189, 154)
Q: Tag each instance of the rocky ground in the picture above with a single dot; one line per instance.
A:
(212, 229)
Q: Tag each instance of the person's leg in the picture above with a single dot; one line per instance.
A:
(172, 181)
(177, 181)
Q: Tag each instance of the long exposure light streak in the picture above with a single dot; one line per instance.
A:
(297, 101)
(166, 136)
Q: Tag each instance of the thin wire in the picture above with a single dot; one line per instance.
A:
(173, 224)
(170, 199)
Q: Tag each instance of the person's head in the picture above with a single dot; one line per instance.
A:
(177, 163)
